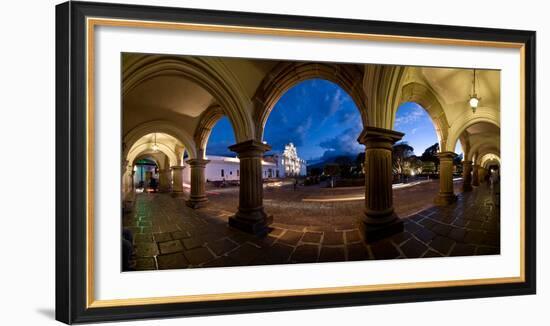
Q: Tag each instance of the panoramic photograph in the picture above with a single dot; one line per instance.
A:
(242, 162)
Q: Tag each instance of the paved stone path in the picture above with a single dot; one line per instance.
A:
(169, 235)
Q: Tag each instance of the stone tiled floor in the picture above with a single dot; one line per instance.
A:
(169, 235)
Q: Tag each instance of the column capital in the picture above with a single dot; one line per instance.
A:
(446, 156)
(198, 162)
(467, 162)
(129, 169)
(177, 167)
(378, 137)
(250, 148)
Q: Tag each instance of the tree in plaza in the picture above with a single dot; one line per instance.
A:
(315, 171)
(457, 162)
(360, 164)
(345, 165)
(332, 170)
(430, 155)
(401, 152)
(428, 167)
(413, 166)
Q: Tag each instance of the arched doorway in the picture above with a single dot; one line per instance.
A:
(313, 129)
(415, 159)
(478, 138)
(422, 138)
(146, 175)
(223, 169)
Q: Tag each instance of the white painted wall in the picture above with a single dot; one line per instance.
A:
(231, 168)
(29, 259)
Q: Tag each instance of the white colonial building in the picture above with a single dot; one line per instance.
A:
(287, 164)
(227, 168)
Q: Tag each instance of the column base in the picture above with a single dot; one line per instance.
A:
(258, 227)
(176, 194)
(444, 199)
(195, 203)
(378, 231)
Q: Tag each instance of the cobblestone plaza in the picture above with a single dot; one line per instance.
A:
(170, 235)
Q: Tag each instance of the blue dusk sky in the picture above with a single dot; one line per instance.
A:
(322, 120)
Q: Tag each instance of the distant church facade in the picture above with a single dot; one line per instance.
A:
(286, 164)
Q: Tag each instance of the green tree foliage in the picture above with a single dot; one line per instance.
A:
(430, 155)
(332, 170)
(345, 164)
(457, 162)
(428, 167)
(360, 164)
(315, 171)
(401, 152)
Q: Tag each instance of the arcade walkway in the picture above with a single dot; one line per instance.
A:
(168, 234)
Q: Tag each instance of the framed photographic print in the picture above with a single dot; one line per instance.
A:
(216, 162)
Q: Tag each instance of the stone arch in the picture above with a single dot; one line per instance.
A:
(207, 72)
(464, 140)
(148, 156)
(383, 86)
(207, 120)
(479, 148)
(288, 74)
(159, 126)
(488, 158)
(468, 119)
(136, 151)
(427, 99)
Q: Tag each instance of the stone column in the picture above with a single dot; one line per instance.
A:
(482, 172)
(466, 175)
(177, 178)
(475, 176)
(250, 216)
(446, 194)
(379, 220)
(128, 189)
(164, 180)
(197, 198)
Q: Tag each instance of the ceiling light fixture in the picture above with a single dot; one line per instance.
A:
(474, 99)
(155, 146)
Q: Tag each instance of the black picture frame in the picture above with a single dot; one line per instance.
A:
(71, 158)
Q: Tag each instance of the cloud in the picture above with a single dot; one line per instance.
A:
(336, 104)
(344, 143)
(295, 132)
(410, 116)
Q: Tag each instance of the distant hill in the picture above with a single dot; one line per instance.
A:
(320, 163)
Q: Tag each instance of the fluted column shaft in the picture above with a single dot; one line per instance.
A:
(197, 197)
(177, 178)
(475, 176)
(379, 219)
(446, 194)
(250, 216)
(466, 175)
